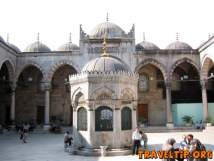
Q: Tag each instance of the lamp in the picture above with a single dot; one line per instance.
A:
(30, 79)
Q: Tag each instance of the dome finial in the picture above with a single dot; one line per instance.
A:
(144, 38)
(7, 37)
(104, 46)
(38, 36)
(70, 40)
(107, 18)
(177, 36)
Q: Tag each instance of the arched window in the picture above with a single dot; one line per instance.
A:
(104, 119)
(126, 118)
(82, 119)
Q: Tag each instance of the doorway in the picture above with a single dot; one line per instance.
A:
(40, 114)
(142, 112)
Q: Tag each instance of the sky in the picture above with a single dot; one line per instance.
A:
(55, 19)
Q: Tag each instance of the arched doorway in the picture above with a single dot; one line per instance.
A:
(60, 98)
(5, 94)
(185, 92)
(151, 95)
(30, 96)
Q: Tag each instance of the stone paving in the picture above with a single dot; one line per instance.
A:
(49, 147)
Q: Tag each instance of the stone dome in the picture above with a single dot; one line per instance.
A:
(145, 45)
(68, 47)
(14, 47)
(178, 45)
(37, 47)
(110, 29)
(106, 63)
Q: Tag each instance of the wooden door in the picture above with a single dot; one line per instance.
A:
(142, 111)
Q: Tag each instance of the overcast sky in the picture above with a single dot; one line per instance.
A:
(55, 19)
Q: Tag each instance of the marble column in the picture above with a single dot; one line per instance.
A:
(134, 117)
(47, 87)
(169, 122)
(13, 103)
(204, 99)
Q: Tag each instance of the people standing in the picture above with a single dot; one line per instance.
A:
(24, 132)
(136, 137)
(144, 140)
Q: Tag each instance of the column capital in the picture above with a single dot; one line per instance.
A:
(168, 84)
(46, 86)
(13, 86)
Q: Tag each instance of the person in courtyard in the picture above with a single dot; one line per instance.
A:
(24, 132)
(136, 137)
(169, 147)
(144, 140)
(67, 139)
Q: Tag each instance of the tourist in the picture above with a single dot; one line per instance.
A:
(67, 139)
(136, 137)
(144, 140)
(183, 143)
(196, 145)
(169, 147)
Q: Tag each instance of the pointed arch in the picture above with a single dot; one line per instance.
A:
(180, 61)
(34, 64)
(59, 64)
(10, 66)
(206, 65)
(154, 62)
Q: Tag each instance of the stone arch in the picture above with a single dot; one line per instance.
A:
(154, 62)
(59, 64)
(77, 94)
(11, 68)
(205, 67)
(34, 64)
(103, 90)
(127, 93)
(178, 62)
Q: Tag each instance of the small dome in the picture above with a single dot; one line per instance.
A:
(68, 47)
(145, 45)
(106, 63)
(110, 29)
(14, 47)
(37, 47)
(178, 45)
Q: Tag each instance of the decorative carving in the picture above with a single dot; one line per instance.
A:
(143, 83)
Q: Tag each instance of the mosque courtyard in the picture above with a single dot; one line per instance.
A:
(49, 147)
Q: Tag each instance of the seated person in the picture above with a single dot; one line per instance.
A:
(67, 139)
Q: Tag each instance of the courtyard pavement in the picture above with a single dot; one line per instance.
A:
(49, 147)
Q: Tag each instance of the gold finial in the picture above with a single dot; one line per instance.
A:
(107, 17)
(70, 40)
(7, 37)
(104, 46)
(38, 37)
(177, 36)
(144, 38)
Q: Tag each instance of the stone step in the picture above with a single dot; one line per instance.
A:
(162, 129)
